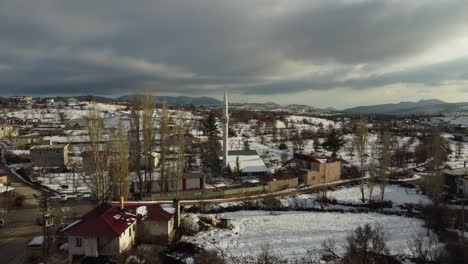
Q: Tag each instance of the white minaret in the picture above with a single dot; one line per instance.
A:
(225, 123)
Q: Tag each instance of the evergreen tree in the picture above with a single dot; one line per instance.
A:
(208, 125)
(333, 141)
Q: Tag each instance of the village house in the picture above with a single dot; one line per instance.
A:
(49, 155)
(26, 140)
(114, 227)
(105, 231)
(7, 131)
(457, 181)
(315, 169)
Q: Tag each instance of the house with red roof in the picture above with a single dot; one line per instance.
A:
(105, 231)
(114, 227)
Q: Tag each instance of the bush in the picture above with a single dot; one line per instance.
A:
(351, 172)
(435, 217)
(425, 247)
(12, 158)
(282, 146)
(189, 225)
(366, 244)
(272, 203)
(209, 257)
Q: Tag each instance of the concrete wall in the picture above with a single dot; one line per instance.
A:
(192, 183)
(127, 238)
(279, 185)
(159, 232)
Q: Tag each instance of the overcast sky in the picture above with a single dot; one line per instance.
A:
(320, 53)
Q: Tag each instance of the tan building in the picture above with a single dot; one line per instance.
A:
(7, 131)
(49, 155)
(316, 169)
(26, 140)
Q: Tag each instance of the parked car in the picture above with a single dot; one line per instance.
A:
(34, 248)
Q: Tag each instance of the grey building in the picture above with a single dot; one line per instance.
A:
(49, 155)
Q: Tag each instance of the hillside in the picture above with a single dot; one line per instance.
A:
(432, 106)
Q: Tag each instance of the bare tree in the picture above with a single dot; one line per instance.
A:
(95, 175)
(366, 244)
(372, 170)
(181, 152)
(149, 119)
(135, 142)
(384, 162)
(164, 143)
(424, 246)
(459, 147)
(119, 171)
(438, 154)
(351, 148)
(360, 139)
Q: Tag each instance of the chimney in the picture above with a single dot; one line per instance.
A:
(50, 142)
(121, 203)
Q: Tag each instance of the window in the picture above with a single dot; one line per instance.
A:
(78, 242)
(130, 230)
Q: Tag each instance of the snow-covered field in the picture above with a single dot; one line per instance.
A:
(292, 234)
(397, 194)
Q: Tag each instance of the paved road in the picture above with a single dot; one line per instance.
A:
(21, 227)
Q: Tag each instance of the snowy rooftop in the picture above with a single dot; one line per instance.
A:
(4, 188)
(249, 161)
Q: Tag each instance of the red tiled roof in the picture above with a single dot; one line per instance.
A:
(103, 221)
(155, 211)
(312, 158)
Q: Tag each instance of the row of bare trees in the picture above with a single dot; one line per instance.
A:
(112, 154)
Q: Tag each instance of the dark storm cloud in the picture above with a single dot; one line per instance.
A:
(196, 47)
(431, 75)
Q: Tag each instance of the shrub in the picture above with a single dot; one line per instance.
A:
(209, 257)
(189, 225)
(282, 146)
(272, 203)
(366, 244)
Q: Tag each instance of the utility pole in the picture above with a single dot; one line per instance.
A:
(46, 223)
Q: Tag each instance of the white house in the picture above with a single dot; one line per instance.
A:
(250, 163)
(105, 231)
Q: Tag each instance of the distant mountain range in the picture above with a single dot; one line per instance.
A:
(429, 107)
(177, 100)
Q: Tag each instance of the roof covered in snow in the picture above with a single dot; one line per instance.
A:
(249, 161)
(152, 211)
